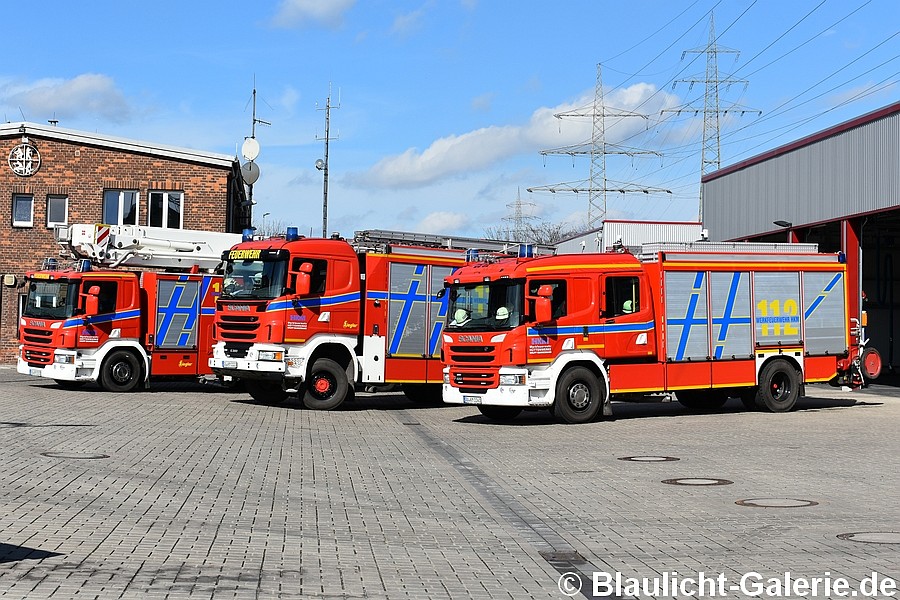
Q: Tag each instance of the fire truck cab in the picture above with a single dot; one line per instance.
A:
(704, 321)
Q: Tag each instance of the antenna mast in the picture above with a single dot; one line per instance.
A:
(322, 165)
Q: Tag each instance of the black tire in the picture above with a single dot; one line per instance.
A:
(423, 393)
(69, 385)
(779, 387)
(499, 413)
(579, 396)
(702, 400)
(327, 386)
(268, 392)
(121, 372)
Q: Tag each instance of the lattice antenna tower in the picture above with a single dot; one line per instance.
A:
(711, 153)
(522, 215)
(597, 185)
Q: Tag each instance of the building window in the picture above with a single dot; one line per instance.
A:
(23, 210)
(120, 207)
(165, 209)
(57, 210)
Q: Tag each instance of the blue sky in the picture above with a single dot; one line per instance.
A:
(445, 105)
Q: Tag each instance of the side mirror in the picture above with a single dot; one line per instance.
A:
(543, 312)
(301, 280)
(92, 301)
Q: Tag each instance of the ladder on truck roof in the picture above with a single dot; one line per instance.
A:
(138, 246)
(379, 239)
(691, 250)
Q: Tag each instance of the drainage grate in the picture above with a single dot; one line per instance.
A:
(10, 424)
(648, 458)
(75, 455)
(776, 503)
(697, 481)
(872, 537)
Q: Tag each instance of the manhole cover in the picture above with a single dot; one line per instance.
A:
(697, 481)
(75, 455)
(648, 458)
(776, 503)
(872, 537)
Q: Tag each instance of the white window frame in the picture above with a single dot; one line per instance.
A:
(165, 209)
(21, 223)
(65, 199)
(119, 210)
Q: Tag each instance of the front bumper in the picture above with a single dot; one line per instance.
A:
(534, 393)
(251, 366)
(74, 368)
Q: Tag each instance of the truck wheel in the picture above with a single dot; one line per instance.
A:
(327, 386)
(701, 399)
(121, 372)
(68, 385)
(779, 387)
(579, 396)
(499, 413)
(423, 393)
(269, 392)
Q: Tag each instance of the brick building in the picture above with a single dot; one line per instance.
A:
(57, 176)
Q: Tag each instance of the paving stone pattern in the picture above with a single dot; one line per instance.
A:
(206, 494)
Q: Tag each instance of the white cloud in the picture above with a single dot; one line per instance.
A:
(90, 95)
(441, 222)
(289, 98)
(407, 23)
(483, 102)
(330, 13)
(454, 155)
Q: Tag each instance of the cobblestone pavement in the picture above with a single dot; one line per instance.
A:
(186, 491)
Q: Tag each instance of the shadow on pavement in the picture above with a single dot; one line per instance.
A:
(12, 553)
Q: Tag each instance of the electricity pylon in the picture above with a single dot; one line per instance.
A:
(597, 185)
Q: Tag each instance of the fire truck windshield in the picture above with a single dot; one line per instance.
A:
(258, 279)
(56, 299)
(494, 305)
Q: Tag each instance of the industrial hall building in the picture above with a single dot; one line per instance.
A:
(56, 176)
(839, 188)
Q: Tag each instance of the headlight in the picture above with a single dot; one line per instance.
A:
(64, 359)
(447, 377)
(512, 380)
(270, 355)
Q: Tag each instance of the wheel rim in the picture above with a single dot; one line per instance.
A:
(323, 386)
(780, 387)
(579, 396)
(121, 372)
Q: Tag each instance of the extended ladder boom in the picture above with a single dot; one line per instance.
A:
(374, 238)
(137, 246)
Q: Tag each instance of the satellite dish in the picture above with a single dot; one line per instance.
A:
(250, 171)
(320, 164)
(250, 149)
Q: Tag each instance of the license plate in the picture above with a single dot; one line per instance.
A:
(471, 399)
(34, 372)
(229, 364)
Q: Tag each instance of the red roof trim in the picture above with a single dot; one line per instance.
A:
(807, 141)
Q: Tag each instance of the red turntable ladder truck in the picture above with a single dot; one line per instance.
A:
(704, 321)
(316, 316)
(98, 321)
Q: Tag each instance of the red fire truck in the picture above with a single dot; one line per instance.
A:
(706, 321)
(315, 316)
(94, 322)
